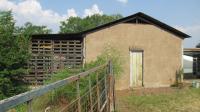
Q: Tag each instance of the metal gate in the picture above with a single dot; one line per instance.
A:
(99, 97)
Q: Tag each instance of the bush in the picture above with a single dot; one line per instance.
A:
(13, 58)
(109, 54)
(68, 93)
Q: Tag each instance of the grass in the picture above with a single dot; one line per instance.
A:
(58, 98)
(61, 97)
(186, 100)
(52, 98)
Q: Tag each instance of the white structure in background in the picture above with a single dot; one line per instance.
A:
(187, 64)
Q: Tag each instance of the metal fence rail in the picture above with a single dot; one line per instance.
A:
(97, 98)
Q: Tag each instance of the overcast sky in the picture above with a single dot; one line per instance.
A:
(181, 14)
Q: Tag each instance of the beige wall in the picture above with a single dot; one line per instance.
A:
(162, 51)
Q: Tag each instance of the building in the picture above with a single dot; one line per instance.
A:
(187, 64)
(195, 53)
(151, 50)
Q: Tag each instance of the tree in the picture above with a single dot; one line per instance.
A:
(29, 29)
(14, 54)
(13, 58)
(25, 32)
(77, 24)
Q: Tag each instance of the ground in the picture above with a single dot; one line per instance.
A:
(158, 100)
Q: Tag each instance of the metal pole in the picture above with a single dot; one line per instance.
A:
(90, 92)
(29, 104)
(78, 95)
(105, 85)
(112, 87)
(98, 96)
(110, 90)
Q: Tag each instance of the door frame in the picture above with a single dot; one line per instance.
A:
(131, 66)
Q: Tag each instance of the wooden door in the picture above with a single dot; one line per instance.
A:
(136, 69)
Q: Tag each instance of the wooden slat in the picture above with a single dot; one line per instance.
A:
(44, 51)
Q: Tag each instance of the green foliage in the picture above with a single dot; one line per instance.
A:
(62, 74)
(13, 58)
(77, 24)
(29, 29)
(14, 53)
(24, 34)
(69, 92)
(109, 54)
(66, 94)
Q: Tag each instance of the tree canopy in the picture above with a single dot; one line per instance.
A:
(77, 24)
(12, 57)
(14, 54)
(28, 29)
(14, 44)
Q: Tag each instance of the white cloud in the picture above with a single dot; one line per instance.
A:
(123, 1)
(31, 10)
(71, 13)
(94, 10)
(194, 32)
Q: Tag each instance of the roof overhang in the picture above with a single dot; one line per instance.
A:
(143, 17)
(58, 36)
(138, 16)
(194, 52)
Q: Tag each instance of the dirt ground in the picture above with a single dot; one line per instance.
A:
(147, 91)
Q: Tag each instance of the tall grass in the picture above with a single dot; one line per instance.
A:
(66, 94)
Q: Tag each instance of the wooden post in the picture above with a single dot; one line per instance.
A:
(111, 88)
(78, 95)
(98, 96)
(29, 104)
(90, 92)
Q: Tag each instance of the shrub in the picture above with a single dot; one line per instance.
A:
(109, 54)
(67, 93)
(13, 58)
(179, 78)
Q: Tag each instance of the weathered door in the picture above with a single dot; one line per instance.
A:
(136, 68)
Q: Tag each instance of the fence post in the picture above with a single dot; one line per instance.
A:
(78, 95)
(90, 92)
(106, 92)
(111, 88)
(98, 96)
(29, 104)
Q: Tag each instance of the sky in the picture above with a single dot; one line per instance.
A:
(183, 15)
